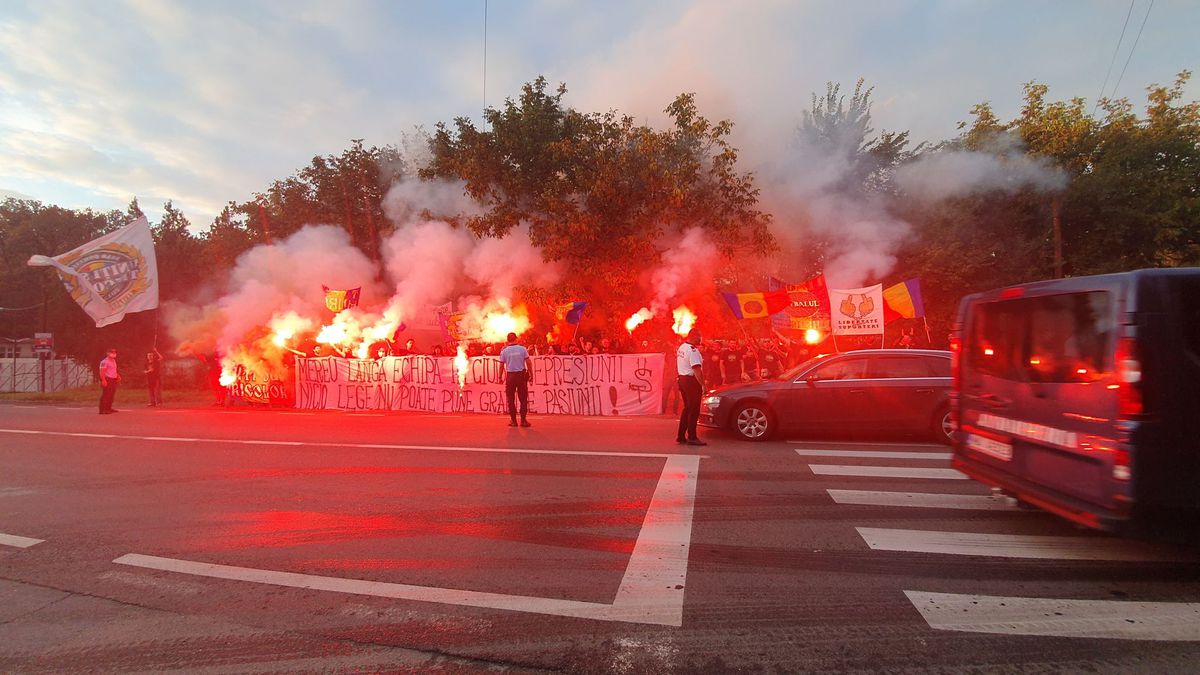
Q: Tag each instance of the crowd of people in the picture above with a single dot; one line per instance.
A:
(726, 361)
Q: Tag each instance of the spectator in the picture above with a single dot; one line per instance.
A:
(732, 359)
(750, 362)
(154, 377)
(712, 372)
(771, 359)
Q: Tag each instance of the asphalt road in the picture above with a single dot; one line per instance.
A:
(208, 540)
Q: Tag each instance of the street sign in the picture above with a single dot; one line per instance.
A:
(43, 343)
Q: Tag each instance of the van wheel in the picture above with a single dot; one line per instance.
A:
(753, 422)
(943, 427)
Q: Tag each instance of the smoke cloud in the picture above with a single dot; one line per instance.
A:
(956, 173)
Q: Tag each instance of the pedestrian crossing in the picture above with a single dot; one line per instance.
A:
(996, 614)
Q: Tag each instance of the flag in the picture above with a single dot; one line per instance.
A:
(903, 301)
(857, 311)
(571, 312)
(756, 305)
(111, 276)
(336, 300)
(808, 305)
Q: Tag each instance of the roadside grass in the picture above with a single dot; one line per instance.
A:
(130, 395)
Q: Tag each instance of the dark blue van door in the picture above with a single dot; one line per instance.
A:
(1036, 394)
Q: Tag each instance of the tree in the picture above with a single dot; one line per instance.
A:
(597, 191)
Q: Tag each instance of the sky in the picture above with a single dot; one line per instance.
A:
(207, 102)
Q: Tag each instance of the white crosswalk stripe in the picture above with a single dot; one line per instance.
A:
(923, 500)
(1163, 621)
(1019, 546)
(871, 454)
(885, 471)
(1006, 615)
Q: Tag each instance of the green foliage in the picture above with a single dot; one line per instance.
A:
(602, 194)
(598, 191)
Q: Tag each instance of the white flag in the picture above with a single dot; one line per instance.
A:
(857, 311)
(112, 276)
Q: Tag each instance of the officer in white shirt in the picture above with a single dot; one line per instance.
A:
(516, 379)
(689, 366)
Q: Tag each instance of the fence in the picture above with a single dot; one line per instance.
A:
(27, 375)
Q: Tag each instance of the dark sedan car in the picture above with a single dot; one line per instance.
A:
(888, 390)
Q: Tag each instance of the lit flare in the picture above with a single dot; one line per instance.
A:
(460, 366)
(684, 320)
(639, 317)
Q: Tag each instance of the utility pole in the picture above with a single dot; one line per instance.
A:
(1056, 216)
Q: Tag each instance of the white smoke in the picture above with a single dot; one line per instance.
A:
(286, 276)
(685, 266)
(812, 199)
(276, 288)
(408, 198)
(505, 263)
(955, 173)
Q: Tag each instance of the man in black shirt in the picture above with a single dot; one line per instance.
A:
(732, 360)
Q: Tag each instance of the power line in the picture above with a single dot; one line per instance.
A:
(1133, 48)
(485, 4)
(1116, 51)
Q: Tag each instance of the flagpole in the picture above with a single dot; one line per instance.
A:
(928, 337)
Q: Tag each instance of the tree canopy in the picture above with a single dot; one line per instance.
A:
(604, 196)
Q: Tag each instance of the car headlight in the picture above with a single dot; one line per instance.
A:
(712, 401)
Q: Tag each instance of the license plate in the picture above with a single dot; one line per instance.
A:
(997, 449)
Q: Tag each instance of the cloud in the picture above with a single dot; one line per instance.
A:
(204, 102)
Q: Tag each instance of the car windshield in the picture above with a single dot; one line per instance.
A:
(793, 373)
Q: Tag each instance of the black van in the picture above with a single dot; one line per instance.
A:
(1082, 397)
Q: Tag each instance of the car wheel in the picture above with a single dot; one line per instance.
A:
(943, 426)
(754, 422)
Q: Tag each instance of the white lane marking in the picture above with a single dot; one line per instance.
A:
(16, 492)
(380, 446)
(26, 407)
(651, 591)
(871, 454)
(885, 471)
(1163, 621)
(18, 542)
(858, 444)
(269, 442)
(1019, 546)
(923, 500)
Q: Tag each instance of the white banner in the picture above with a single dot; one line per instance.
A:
(112, 276)
(605, 384)
(857, 311)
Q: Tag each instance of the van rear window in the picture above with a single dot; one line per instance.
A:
(1055, 338)
(1187, 292)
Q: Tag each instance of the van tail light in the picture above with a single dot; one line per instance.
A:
(1129, 379)
(1121, 469)
(955, 360)
(955, 376)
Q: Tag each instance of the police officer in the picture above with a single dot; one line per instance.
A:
(516, 378)
(689, 366)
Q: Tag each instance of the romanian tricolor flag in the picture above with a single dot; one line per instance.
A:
(756, 305)
(903, 301)
(571, 312)
(337, 300)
